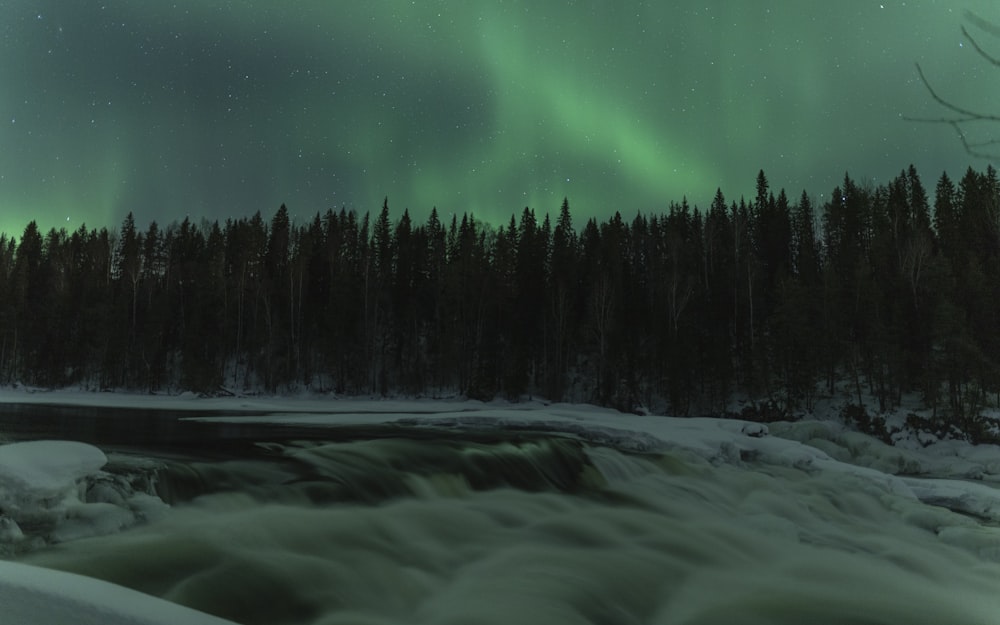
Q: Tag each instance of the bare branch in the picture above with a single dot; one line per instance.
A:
(975, 44)
(967, 115)
(983, 144)
(983, 24)
(974, 149)
(962, 115)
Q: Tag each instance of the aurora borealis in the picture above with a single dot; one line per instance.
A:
(217, 109)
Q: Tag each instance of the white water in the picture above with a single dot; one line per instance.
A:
(714, 522)
(666, 538)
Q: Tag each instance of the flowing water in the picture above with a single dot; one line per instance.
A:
(389, 525)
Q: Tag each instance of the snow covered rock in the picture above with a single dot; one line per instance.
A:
(53, 491)
(45, 469)
(9, 530)
(756, 430)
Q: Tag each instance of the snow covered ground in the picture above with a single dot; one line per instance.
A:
(946, 495)
(33, 595)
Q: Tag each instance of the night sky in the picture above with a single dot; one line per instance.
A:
(218, 109)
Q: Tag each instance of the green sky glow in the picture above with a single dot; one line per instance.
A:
(217, 109)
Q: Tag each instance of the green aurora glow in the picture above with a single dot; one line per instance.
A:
(217, 109)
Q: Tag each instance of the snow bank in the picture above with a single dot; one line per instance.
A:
(249, 403)
(30, 594)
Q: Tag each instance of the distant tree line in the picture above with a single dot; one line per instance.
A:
(882, 287)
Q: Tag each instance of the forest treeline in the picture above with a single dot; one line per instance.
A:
(882, 287)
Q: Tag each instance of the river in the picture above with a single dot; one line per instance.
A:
(389, 524)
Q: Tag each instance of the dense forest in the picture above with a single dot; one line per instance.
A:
(882, 287)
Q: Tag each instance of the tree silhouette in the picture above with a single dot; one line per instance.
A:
(863, 296)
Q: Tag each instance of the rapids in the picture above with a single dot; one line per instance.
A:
(406, 527)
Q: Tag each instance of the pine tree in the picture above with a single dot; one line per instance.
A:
(433, 302)
(561, 301)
